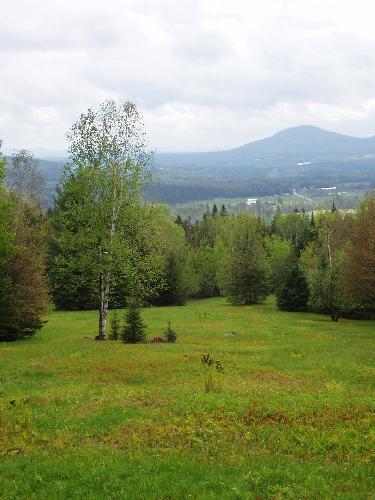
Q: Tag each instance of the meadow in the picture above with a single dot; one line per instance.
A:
(292, 414)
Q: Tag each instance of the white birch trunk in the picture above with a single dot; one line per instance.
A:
(105, 277)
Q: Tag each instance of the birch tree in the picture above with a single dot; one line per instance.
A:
(100, 192)
(324, 262)
(25, 178)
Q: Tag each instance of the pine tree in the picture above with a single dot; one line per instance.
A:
(133, 331)
(333, 208)
(214, 210)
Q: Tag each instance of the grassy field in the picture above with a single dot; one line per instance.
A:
(293, 414)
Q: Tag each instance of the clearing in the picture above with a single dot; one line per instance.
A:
(293, 414)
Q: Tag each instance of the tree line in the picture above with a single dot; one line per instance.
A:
(103, 246)
(323, 262)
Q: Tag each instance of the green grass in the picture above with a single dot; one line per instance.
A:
(293, 415)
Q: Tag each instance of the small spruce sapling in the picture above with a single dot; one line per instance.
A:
(114, 334)
(170, 335)
(133, 330)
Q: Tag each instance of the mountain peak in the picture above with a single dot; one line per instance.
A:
(302, 130)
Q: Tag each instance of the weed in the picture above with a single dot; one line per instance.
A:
(211, 368)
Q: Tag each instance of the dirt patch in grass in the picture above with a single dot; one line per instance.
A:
(271, 376)
(359, 415)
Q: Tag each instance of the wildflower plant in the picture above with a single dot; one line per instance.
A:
(212, 368)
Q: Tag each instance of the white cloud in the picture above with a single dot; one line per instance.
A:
(208, 74)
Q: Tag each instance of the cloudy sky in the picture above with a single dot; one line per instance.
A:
(207, 74)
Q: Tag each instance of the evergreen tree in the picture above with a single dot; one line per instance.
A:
(333, 208)
(243, 274)
(133, 331)
(214, 210)
(170, 334)
(223, 211)
(188, 228)
(114, 333)
(294, 294)
(173, 293)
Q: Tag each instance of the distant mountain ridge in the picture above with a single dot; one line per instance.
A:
(305, 142)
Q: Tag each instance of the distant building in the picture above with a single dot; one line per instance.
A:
(251, 201)
(329, 189)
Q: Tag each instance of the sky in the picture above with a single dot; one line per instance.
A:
(206, 74)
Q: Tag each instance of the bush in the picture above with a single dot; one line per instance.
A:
(114, 333)
(134, 328)
(170, 335)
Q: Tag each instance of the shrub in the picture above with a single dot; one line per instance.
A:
(134, 328)
(114, 333)
(170, 335)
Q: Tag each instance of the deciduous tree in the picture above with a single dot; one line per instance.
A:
(99, 196)
(360, 269)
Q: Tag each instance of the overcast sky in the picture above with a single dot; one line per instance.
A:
(207, 74)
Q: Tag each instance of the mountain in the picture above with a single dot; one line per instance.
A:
(288, 147)
(298, 157)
